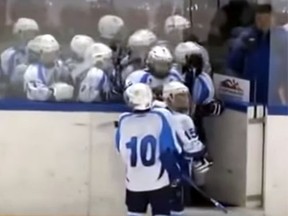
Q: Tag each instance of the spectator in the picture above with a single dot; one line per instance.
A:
(237, 13)
(251, 55)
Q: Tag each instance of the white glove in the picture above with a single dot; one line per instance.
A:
(62, 91)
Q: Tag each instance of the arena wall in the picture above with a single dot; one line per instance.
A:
(57, 161)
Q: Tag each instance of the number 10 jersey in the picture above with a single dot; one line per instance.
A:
(141, 138)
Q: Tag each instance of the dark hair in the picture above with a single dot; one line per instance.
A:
(263, 8)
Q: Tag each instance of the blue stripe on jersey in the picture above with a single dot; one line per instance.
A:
(144, 78)
(162, 171)
(204, 92)
(41, 73)
(176, 75)
(11, 63)
(166, 136)
(101, 83)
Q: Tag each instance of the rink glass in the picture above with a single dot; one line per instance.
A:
(65, 18)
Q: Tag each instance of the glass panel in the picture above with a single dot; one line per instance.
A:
(278, 70)
(213, 23)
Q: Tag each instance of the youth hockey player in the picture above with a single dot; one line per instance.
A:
(195, 67)
(174, 28)
(24, 30)
(112, 29)
(158, 72)
(78, 46)
(43, 80)
(191, 59)
(147, 143)
(139, 44)
(91, 81)
(177, 98)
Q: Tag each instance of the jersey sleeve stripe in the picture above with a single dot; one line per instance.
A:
(167, 138)
(200, 92)
(144, 78)
(176, 76)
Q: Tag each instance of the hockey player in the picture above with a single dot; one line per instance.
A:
(191, 60)
(147, 143)
(43, 80)
(195, 67)
(177, 98)
(78, 46)
(112, 29)
(139, 44)
(24, 30)
(91, 78)
(158, 72)
(174, 28)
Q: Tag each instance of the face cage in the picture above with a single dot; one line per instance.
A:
(160, 69)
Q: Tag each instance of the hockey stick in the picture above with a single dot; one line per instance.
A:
(215, 202)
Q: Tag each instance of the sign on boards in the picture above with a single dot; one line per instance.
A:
(231, 88)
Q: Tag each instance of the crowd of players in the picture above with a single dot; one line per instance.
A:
(158, 143)
(98, 70)
(148, 73)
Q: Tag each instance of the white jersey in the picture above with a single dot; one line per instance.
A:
(141, 139)
(92, 86)
(187, 135)
(38, 80)
(10, 59)
(145, 77)
(202, 89)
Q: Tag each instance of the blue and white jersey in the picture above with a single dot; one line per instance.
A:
(93, 86)
(144, 76)
(10, 59)
(129, 65)
(187, 135)
(203, 89)
(38, 79)
(141, 139)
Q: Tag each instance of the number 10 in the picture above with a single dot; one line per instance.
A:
(147, 142)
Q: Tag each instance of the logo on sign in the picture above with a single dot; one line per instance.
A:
(231, 86)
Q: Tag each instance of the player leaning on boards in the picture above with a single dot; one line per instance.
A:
(177, 99)
(146, 140)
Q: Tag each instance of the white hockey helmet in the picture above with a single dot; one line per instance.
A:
(176, 95)
(80, 43)
(176, 23)
(142, 38)
(48, 47)
(110, 26)
(139, 96)
(34, 45)
(26, 29)
(33, 49)
(99, 55)
(174, 88)
(185, 49)
(160, 60)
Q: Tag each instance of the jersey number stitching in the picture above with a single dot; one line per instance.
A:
(148, 143)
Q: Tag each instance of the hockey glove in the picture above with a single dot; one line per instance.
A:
(62, 91)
